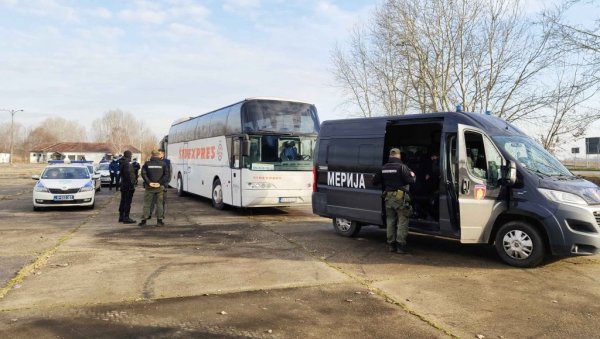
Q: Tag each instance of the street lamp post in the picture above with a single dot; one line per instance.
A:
(12, 126)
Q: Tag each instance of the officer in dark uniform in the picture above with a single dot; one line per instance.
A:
(113, 168)
(128, 178)
(396, 178)
(136, 169)
(155, 175)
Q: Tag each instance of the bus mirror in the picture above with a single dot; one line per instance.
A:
(245, 148)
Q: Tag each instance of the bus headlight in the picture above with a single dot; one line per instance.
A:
(560, 196)
(260, 185)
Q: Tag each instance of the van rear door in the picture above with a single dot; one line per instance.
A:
(480, 193)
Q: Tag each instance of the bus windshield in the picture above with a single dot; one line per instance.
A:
(279, 116)
(532, 156)
(280, 153)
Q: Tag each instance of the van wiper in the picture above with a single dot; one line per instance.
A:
(539, 173)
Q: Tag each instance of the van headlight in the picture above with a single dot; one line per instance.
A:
(88, 187)
(39, 187)
(560, 196)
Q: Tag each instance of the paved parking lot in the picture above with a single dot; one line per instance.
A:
(268, 273)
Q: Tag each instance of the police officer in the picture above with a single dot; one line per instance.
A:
(113, 169)
(128, 179)
(168, 175)
(155, 175)
(396, 178)
(136, 169)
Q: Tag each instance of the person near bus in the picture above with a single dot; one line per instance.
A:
(128, 178)
(136, 169)
(113, 169)
(155, 175)
(396, 178)
(290, 152)
(169, 168)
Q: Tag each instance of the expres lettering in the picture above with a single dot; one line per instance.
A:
(197, 153)
(346, 179)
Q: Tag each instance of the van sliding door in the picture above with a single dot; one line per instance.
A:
(480, 194)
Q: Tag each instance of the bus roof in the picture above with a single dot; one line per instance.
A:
(184, 119)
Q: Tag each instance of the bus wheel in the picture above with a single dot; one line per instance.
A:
(217, 195)
(180, 191)
(345, 227)
(520, 244)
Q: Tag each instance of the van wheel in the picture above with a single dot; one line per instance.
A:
(345, 227)
(217, 195)
(520, 244)
(180, 192)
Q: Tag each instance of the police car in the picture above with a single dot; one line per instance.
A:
(64, 184)
(104, 173)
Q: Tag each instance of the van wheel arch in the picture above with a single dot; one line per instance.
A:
(346, 227)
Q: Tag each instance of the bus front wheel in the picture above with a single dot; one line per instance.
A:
(217, 195)
(520, 244)
(180, 191)
(345, 227)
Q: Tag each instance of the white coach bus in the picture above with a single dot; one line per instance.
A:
(254, 153)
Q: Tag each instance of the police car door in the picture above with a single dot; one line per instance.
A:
(480, 193)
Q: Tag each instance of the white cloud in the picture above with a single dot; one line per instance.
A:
(237, 6)
(100, 12)
(146, 16)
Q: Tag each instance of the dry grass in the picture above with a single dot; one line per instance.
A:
(20, 170)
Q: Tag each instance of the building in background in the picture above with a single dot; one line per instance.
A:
(4, 156)
(94, 151)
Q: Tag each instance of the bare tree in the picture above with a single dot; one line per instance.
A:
(120, 129)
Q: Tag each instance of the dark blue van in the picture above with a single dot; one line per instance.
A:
(479, 180)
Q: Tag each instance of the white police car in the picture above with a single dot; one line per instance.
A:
(104, 173)
(64, 184)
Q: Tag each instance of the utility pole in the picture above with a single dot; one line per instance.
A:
(12, 126)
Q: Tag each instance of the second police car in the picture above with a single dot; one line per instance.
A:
(64, 184)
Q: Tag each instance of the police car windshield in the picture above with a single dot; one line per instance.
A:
(66, 173)
(532, 156)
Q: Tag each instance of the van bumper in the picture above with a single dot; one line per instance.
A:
(580, 226)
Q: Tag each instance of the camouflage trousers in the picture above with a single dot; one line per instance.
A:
(397, 211)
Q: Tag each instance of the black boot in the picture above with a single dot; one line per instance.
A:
(142, 223)
(392, 247)
(128, 220)
(121, 218)
(401, 249)
(159, 223)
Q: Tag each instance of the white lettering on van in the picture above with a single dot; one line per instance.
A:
(346, 179)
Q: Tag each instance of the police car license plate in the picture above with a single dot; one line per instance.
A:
(64, 197)
(287, 200)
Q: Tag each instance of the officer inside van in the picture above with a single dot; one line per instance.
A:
(396, 178)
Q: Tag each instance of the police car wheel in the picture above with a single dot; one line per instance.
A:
(345, 227)
(37, 209)
(180, 191)
(520, 244)
(217, 195)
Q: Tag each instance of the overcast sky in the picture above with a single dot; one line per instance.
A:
(163, 60)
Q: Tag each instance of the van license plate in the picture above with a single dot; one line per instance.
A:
(63, 197)
(287, 200)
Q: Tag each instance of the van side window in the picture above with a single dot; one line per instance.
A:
(494, 162)
(483, 159)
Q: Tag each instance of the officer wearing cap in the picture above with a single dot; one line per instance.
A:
(396, 178)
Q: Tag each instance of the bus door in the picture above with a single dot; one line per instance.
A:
(186, 170)
(480, 192)
(236, 173)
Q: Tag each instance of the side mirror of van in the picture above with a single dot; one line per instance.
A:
(245, 148)
(511, 173)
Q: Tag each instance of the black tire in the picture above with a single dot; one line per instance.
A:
(345, 227)
(180, 191)
(37, 209)
(520, 244)
(217, 195)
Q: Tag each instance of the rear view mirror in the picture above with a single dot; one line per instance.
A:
(35, 177)
(245, 148)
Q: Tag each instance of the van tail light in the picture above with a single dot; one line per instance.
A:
(314, 179)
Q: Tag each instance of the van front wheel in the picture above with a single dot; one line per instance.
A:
(345, 227)
(520, 244)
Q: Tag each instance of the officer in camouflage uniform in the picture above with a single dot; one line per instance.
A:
(396, 178)
(155, 175)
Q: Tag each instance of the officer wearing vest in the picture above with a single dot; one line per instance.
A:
(396, 178)
(156, 177)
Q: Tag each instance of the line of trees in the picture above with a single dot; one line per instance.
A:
(116, 128)
(418, 56)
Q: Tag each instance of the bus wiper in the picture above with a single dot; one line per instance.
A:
(268, 131)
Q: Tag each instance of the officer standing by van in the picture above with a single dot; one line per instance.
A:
(396, 178)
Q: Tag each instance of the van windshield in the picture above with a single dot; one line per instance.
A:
(532, 155)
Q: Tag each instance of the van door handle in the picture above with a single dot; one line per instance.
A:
(465, 186)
